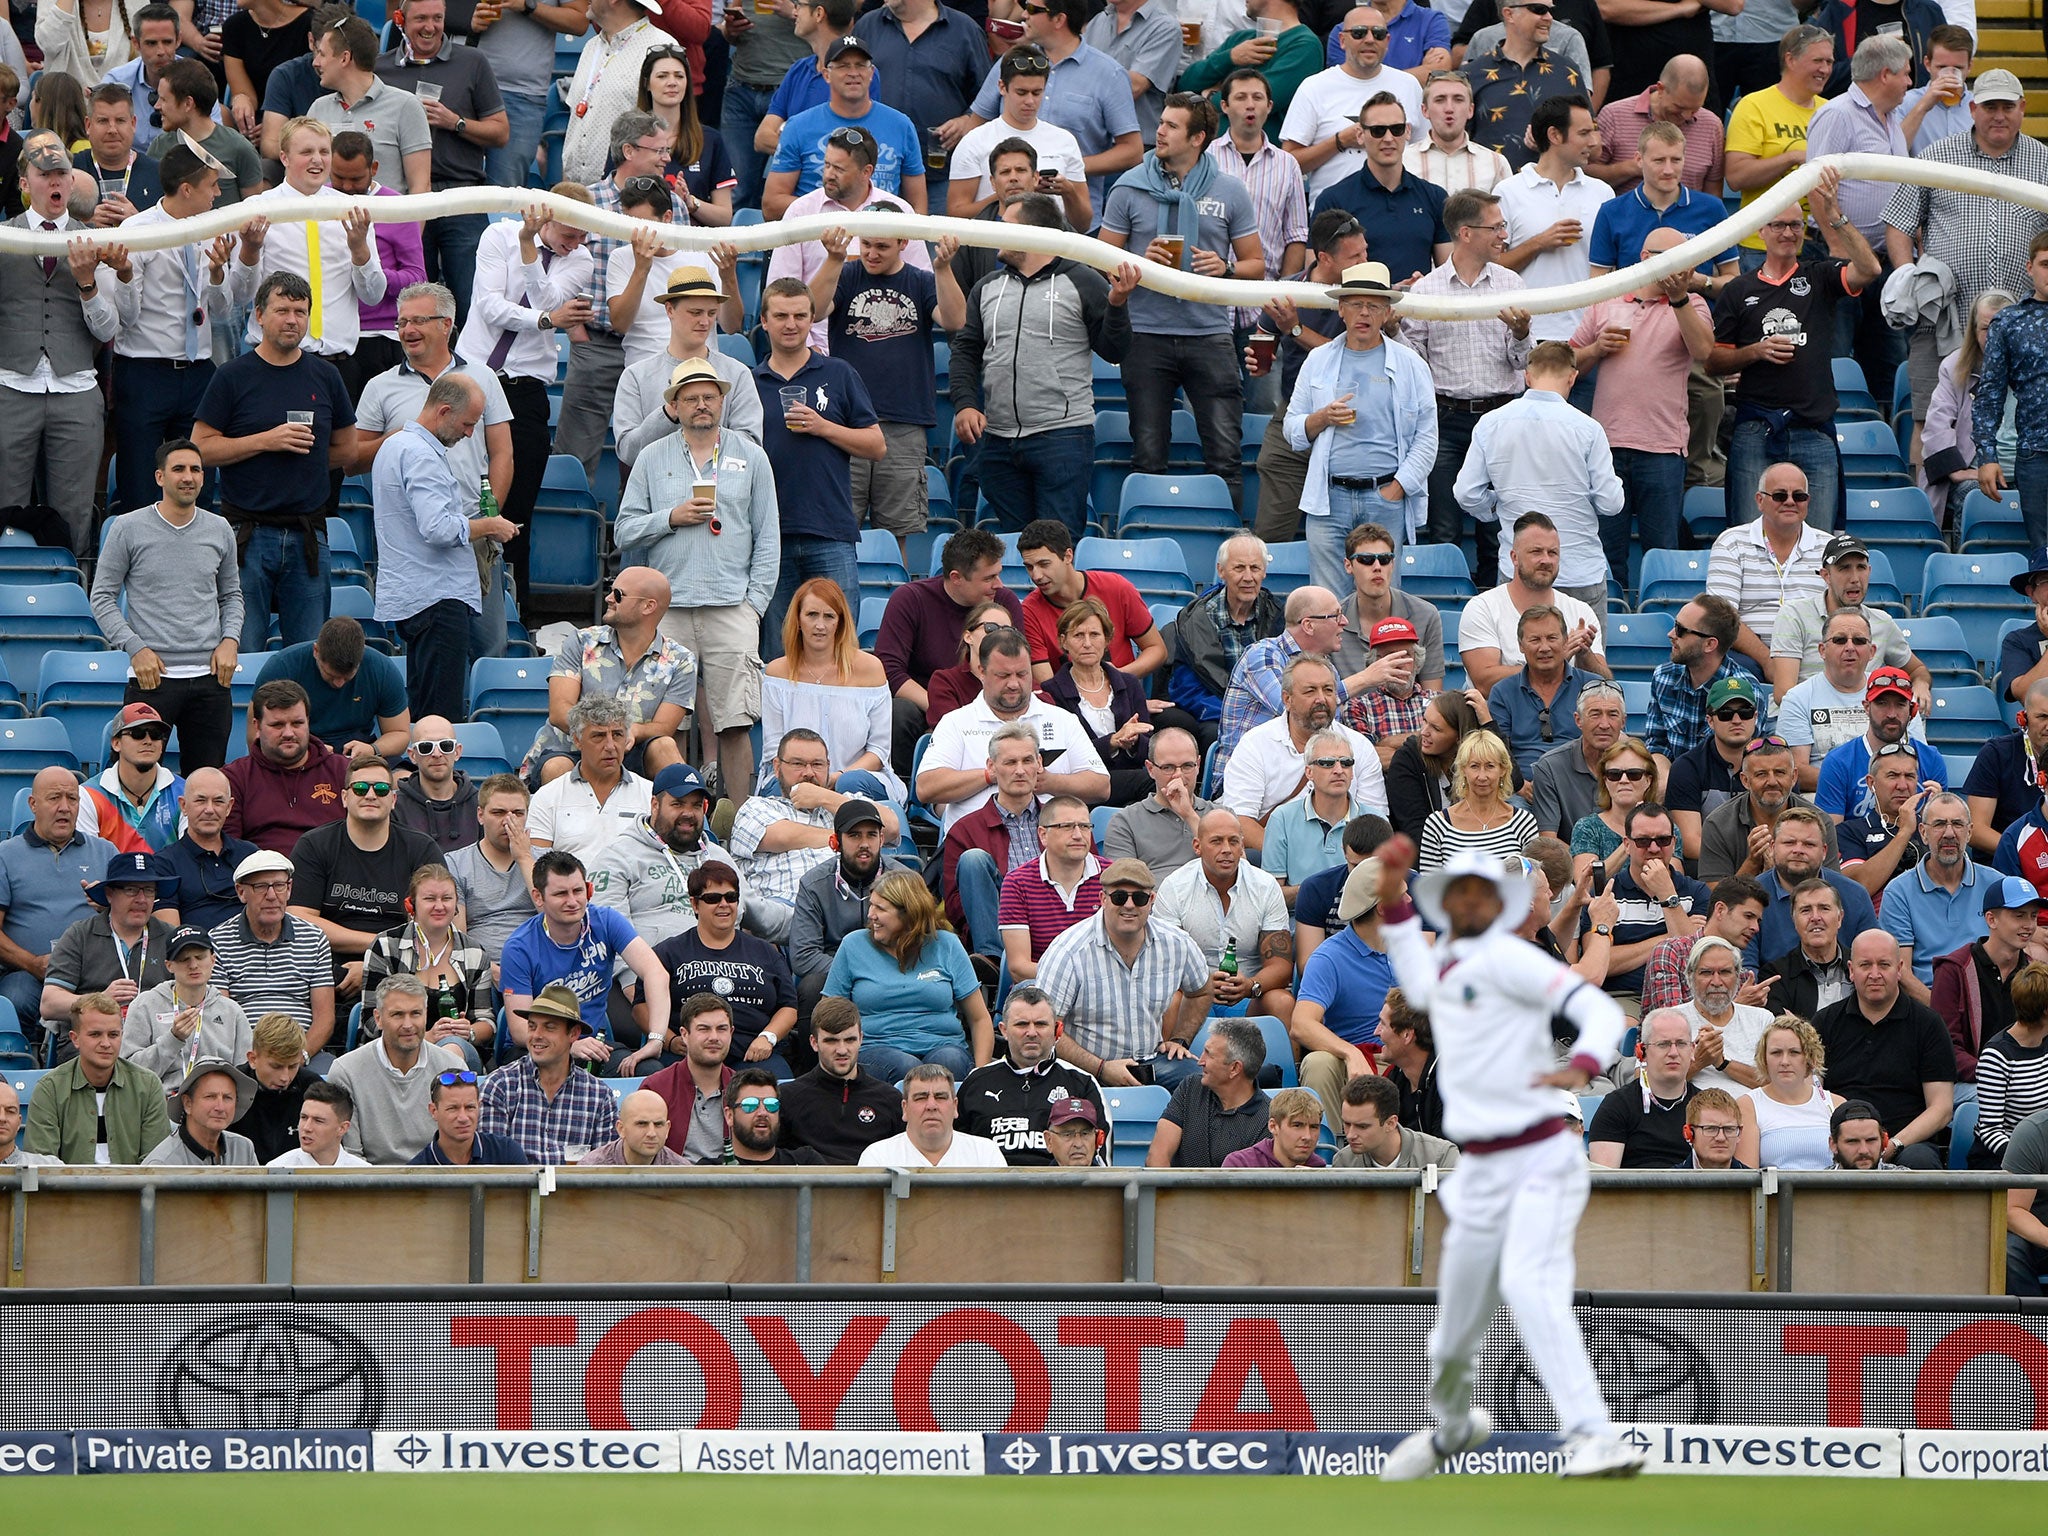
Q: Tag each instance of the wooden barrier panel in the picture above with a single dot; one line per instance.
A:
(1850, 1239)
(1647, 1240)
(1214, 1235)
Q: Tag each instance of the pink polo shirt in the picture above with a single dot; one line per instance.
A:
(1639, 393)
(1621, 126)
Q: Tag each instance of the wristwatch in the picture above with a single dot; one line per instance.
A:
(461, 124)
(1258, 989)
(546, 322)
(1294, 331)
(1668, 902)
(1605, 930)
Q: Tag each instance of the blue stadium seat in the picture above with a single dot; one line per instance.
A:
(29, 746)
(1098, 823)
(101, 676)
(1183, 441)
(1671, 578)
(1288, 569)
(938, 496)
(1852, 394)
(1964, 717)
(1156, 567)
(1975, 591)
(871, 609)
(27, 564)
(566, 536)
(1164, 614)
(1705, 511)
(914, 808)
(1893, 517)
(1938, 640)
(1988, 524)
(512, 693)
(1211, 780)
(35, 619)
(483, 749)
(880, 562)
(1112, 462)
(1638, 642)
(344, 561)
(1635, 695)
(25, 1085)
(1162, 500)
(89, 727)
(1962, 1133)
(1870, 455)
(1134, 1113)
(738, 348)
(22, 817)
(357, 603)
(1109, 385)
(1279, 1049)
(1454, 666)
(1433, 571)
(1883, 591)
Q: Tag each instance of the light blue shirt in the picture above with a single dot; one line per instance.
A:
(423, 547)
(1088, 94)
(1941, 122)
(705, 570)
(1321, 381)
(1930, 920)
(1367, 447)
(1537, 454)
(1300, 843)
(1850, 124)
(914, 1009)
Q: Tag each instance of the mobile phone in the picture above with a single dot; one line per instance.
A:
(1599, 879)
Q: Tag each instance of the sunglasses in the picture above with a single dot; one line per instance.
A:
(614, 593)
(1363, 558)
(754, 1101)
(1896, 749)
(1735, 712)
(848, 138)
(1686, 631)
(1778, 743)
(365, 788)
(1543, 722)
(1627, 776)
(1129, 898)
(444, 746)
(149, 732)
(1536, 10)
(1653, 842)
(1374, 32)
(451, 1079)
(1385, 130)
(640, 189)
(718, 898)
(1331, 762)
(1850, 640)
(1781, 497)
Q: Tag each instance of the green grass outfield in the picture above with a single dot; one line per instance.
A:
(580, 1505)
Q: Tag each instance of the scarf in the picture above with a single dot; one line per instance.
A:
(1181, 203)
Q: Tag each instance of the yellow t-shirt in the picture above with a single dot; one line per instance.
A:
(1766, 123)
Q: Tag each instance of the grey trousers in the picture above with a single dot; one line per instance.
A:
(594, 369)
(68, 432)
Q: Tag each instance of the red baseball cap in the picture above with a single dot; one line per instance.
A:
(1887, 680)
(133, 715)
(1393, 632)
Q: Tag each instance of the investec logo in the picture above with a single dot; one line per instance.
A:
(1083, 1455)
(526, 1451)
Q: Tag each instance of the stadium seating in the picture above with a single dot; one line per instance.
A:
(1989, 524)
(1939, 641)
(1671, 578)
(36, 619)
(1964, 717)
(483, 749)
(29, 746)
(1975, 591)
(870, 619)
(24, 563)
(1134, 1112)
(1705, 512)
(1870, 456)
(1195, 511)
(1156, 567)
(1895, 518)
(1853, 399)
(1288, 569)
(1638, 643)
(1434, 571)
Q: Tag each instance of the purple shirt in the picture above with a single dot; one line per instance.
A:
(1260, 1155)
(404, 260)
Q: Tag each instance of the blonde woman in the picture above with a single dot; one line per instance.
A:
(917, 993)
(1626, 774)
(86, 38)
(1947, 442)
(1480, 814)
(1785, 1122)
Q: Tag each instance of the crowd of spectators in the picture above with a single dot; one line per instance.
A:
(926, 900)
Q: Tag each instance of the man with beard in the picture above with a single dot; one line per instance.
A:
(644, 873)
(1798, 852)
(1937, 906)
(1736, 838)
(1521, 1181)
(778, 838)
(836, 1109)
(1564, 784)
(1487, 642)
(1702, 654)
(832, 900)
(1844, 776)
(1271, 760)
(1011, 1101)
(1815, 973)
(1704, 779)
(1737, 912)
(753, 1124)
(291, 781)
(1531, 705)
(1886, 838)
(1725, 1032)
(1856, 1137)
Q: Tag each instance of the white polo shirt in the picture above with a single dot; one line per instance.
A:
(1491, 618)
(1531, 202)
(1266, 771)
(566, 815)
(1188, 901)
(964, 1151)
(1745, 569)
(961, 741)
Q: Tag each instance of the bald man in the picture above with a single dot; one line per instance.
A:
(1678, 96)
(628, 656)
(439, 799)
(43, 876)
(11, 1153)
(199, 867)
(1646, 346)
(1893, 1052)
(642, 1141)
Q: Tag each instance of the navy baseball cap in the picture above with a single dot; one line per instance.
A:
(678, 780)
(2009, 893)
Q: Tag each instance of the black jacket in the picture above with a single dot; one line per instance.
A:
(839, 1117)
(272, 1120)
(1794, 986)
(1126, 703)
(1010, 1107)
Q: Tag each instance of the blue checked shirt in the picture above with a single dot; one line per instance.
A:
(1678, 711)
(2015, 358)
(1253, 696)
(585, 1113)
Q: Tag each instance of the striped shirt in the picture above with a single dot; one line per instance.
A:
(1475, 168)
(1471, 359)
(1279, 197)
(776, 876)
(1983, 240)
(2012, 1083)
(1033, 901)
(584, 1113)
(1110, 1008)
(1745, 569)
(273, 978)
(1440, 840)
(1621, 138)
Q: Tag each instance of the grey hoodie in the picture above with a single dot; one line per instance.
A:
(1023, 357)
(451, 823)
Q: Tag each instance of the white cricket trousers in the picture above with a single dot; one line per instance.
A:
(1514, 1218)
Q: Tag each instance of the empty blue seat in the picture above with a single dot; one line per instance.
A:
(1671, 578)
(1635, 696)
(508, 682)
(1964, 717)
(1870, 452)
(1897, 517)
(1975, 591)
(1852, 393)
(1112, 462)
(483, 749)
(28, 564)
(29, 746)
(738, 348)
(1098, 823)
(1156, 567)
(871, 610)
(1990, 524)
(1288, 568)
(1134, 1113)
(1939, 641)
(1433, 571)
(35, 619)
(1639, 642)
(1196, 511)
(1705, 511)
(101, 676)
(938, 496)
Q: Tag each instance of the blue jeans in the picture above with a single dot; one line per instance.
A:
(507, 165)
(436, 658)
(1043, 475)
(745, 106)
(1653, 491)
(867, 786)
(980, 885)
(802, 558)
(891, 1065)
(274, 576)
(1326, 535)
(1169, 1073)
(2030, 474)
(450, 245)
(1813, 451)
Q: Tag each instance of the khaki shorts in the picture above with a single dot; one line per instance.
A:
(727, 645)
(889, 493)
